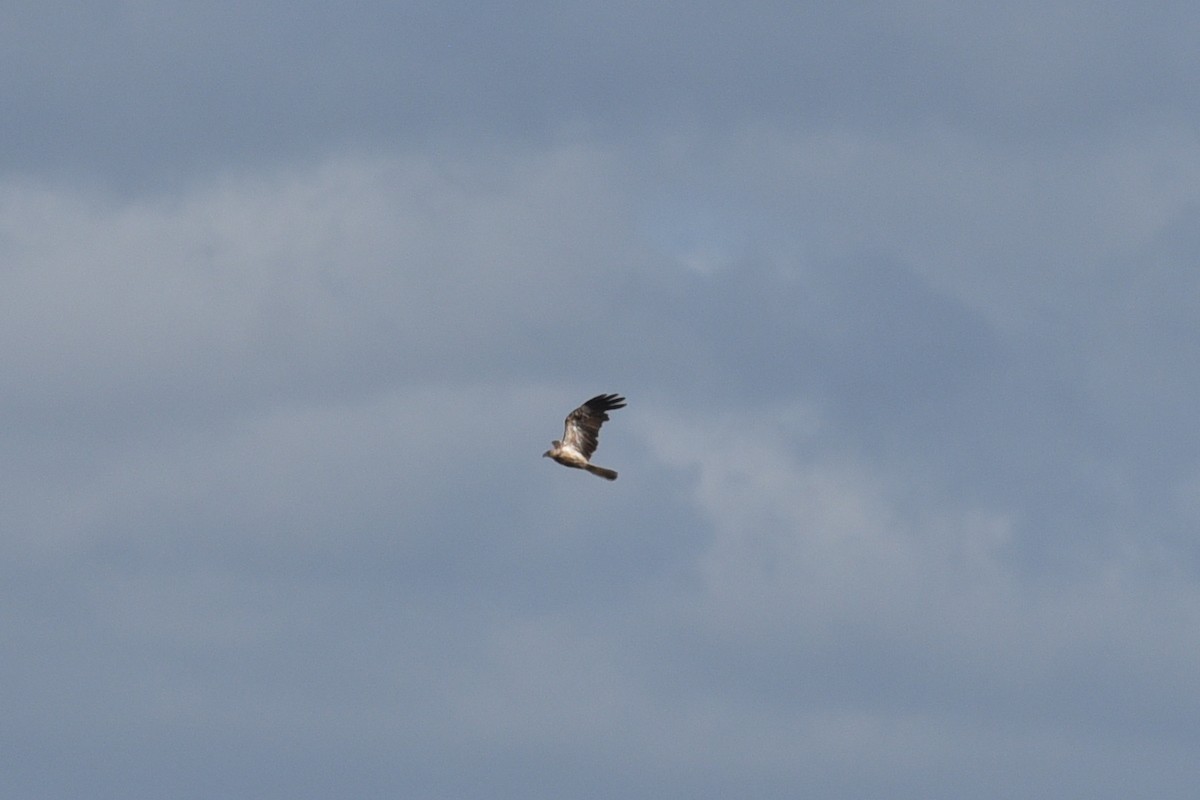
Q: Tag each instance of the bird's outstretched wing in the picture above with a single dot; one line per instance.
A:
(582, 428)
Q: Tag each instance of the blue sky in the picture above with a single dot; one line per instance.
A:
(903, 298)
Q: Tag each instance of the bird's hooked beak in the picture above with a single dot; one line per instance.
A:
(546, 454)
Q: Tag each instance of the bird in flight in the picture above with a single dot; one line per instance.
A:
(580, 435)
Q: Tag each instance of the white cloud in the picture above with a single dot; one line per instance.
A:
(817, 556)
(264, 279)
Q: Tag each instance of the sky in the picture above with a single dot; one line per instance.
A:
(903, 297)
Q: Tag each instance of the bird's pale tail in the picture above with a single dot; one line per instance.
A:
(607, 474)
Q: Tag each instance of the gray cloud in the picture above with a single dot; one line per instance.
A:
(135, 94)
(292, 299)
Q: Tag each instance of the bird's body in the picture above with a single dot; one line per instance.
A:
(581, 435)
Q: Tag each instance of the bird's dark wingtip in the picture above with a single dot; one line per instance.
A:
(606, 402)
